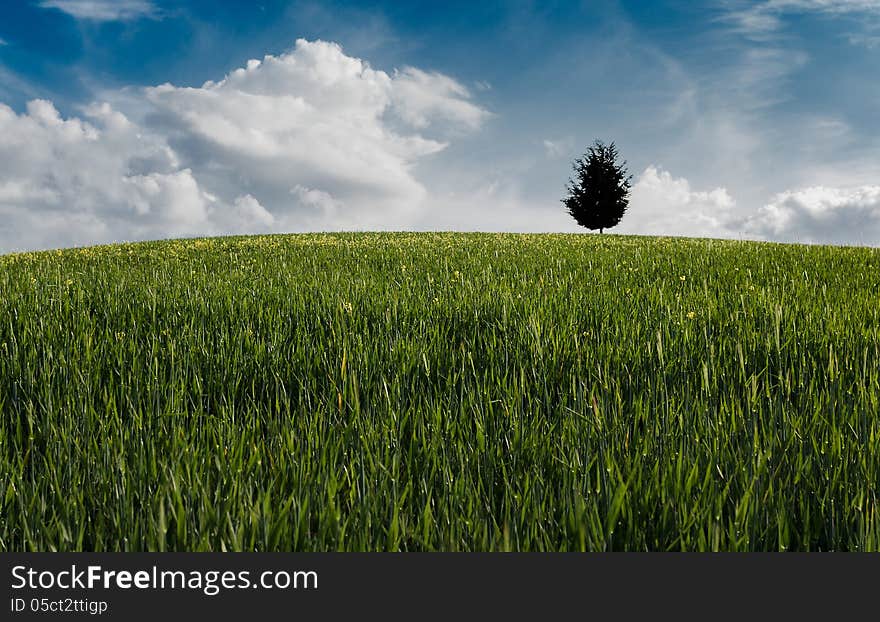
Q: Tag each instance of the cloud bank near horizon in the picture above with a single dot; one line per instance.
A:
(315, 139)
(311, 139)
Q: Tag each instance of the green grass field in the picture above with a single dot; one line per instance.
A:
(440, 392)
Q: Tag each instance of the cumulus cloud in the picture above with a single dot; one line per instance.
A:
(84, 173)
(311, 139)
(661, 204)
(104, 10)
(821, 215)
(248, 210)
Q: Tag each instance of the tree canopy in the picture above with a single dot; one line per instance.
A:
(598, 194)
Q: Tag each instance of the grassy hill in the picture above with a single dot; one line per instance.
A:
(440, 391)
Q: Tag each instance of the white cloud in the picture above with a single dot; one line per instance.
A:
(321, 204)
(870, 41)
(104, 10)
(829, 6)
(764, 18)
(558, 148)
(821, 215)
(315, 119)
(311, 139)
(664, 205)
(173, 198)
(250, 213)
(421, 98)
(74, 181)
(661, 204)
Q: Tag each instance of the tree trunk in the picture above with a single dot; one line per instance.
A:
(601, 230)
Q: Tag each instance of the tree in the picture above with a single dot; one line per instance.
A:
(599, 193)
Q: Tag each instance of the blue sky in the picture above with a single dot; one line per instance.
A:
(738, 119)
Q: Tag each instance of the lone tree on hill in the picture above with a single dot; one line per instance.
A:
(599, 194)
